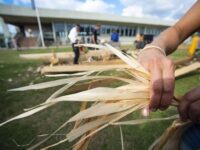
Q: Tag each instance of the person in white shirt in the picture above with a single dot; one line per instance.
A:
(73, 36)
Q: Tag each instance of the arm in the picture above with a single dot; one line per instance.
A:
(162, 68)
(187, 25)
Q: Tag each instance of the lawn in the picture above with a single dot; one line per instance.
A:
(15, 72)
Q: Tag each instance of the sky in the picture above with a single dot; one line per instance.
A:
(158, 9)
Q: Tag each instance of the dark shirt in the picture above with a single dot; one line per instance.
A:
(191, 138)
(95, 34)
(115, 37)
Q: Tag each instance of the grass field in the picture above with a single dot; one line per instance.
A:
(15, 72)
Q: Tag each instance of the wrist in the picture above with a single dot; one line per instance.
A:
(153, 47)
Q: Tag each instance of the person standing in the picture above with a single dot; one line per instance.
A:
(73, 36)
(115, 39)
(95, 33)
(114, 36)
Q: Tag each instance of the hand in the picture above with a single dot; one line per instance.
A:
(162, 78)
(189, 107)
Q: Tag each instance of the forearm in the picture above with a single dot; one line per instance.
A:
(168, 40)
(173, 36)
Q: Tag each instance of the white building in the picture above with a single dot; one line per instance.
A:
(57, 23)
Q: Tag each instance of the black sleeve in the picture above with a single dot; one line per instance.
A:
(94, 32)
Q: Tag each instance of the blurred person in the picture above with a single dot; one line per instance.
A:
(114, 36)
(115, 39)
(194, 48)
(95, 33)
(73, 36)
(139, 42)
(162, 82)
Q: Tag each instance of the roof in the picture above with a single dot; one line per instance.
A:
(17, 14)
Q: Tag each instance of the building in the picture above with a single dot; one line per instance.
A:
(56, 24)
(4, 33)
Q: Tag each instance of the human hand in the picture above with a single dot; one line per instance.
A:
(162, 79)
(189, 107)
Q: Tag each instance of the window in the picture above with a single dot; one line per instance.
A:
(85, 29)
(122, 31)
(130, 32)
(126, 32)
(88, 30)
(134, 32)
(69, 27)
(108, 30)
(141, 30)
(118, 31)
(59, 29)
(103, 30)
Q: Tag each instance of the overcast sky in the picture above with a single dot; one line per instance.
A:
(161, 9)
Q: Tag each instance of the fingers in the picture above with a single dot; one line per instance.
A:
(168, 84)
(162, 78)
(193, 95)
(194, 111)
(189, 107)
(156, 86)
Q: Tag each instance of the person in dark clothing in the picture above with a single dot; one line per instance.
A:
(95, 33)
(76, 53)
(73, 36)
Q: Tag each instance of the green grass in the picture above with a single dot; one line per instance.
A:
(15, 72)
